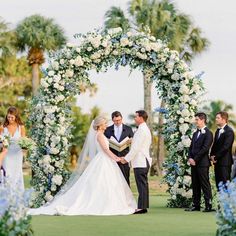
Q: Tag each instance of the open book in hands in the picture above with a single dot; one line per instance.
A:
(119, 146)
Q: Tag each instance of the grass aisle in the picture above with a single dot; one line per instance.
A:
(160, 221)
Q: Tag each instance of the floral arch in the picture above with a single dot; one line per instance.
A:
(100, 50)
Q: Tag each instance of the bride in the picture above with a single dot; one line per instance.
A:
(97, 187)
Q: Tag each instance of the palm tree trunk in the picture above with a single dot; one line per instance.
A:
(148, 108)
(158, 155)
(147, 84)
(161, 145)
(35, 78)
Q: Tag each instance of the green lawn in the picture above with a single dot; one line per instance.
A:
(160, 220)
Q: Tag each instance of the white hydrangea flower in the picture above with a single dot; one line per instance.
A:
(44, 83)
(69, 73)
(124, 42)
(183, 128)
(54, 151)
(78, 61)
(57, 180)
(48, 197)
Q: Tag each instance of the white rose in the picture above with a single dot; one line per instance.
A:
(186, 141)
(44, 83)
(185, 112)
(184, 89)
(175, 76)
(70, 45)
(124, 42)
(186, 119)
(46, 159)
(49, 80)
(69, 73)
(51, 73)
(61, 88)
(114, 30)
(54, 151)
(57, 179)
(183, 128)
(78, 50)
(129, 34)
(115, 52)
(89, 49)
(181, 120)
(55, 65)
(60, 98)
(62, 131)
(141, 55)
(57, 78)
(105, 43)
(62, 61)
(48, 197)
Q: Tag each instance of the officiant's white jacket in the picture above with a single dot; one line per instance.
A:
(140, 146)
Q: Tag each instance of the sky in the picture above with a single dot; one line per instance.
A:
(118, 90)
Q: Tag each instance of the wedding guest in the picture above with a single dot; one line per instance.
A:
(12, 163)
(2, 155)
(198, 158)
(221, 152)
(120, 131)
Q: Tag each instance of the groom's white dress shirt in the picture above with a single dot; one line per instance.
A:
(140, 146)
(118, 131)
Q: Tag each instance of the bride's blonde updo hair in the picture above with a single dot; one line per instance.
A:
(98, 121)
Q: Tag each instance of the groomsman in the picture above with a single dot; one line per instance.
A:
(120, 131)
(199, 160)
(221, 152)
(140, 159)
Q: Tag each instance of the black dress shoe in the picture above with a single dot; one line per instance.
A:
(143, 211)
(208, 209)
(193, 209)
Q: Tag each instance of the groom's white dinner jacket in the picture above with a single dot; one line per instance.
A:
(140, 146)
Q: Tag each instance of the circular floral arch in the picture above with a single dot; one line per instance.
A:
(51, 115)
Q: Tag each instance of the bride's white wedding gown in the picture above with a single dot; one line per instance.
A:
(100, 190)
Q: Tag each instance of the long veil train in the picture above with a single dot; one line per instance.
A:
(87, 154)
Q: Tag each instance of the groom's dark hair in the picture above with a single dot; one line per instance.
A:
(115, 114)
(143, 114)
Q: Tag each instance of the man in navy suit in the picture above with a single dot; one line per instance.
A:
(221, 152)
(200, 162)
(120, 131)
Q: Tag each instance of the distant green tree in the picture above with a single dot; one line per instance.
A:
(215, 106)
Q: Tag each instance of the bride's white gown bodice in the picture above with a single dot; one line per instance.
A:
(100, 190)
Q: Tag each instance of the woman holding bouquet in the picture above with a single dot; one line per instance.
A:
(12, 163)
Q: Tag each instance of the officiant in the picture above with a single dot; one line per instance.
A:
(120, 131)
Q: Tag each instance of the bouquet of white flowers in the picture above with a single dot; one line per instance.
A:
(27, 144)
(4, 142)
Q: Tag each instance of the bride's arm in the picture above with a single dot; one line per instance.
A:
(101, 141)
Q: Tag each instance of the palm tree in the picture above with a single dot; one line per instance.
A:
(37, 34)
(7, 40)
(215, 106)
(163, 21)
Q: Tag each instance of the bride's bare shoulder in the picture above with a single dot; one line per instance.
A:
(100, 135)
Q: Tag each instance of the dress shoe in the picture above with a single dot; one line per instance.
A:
(143, 211)
(208, 209)
(193, 209)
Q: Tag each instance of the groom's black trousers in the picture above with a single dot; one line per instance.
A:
(141, 178)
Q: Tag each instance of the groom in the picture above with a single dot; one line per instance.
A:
(120, 131)
(140, 159)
